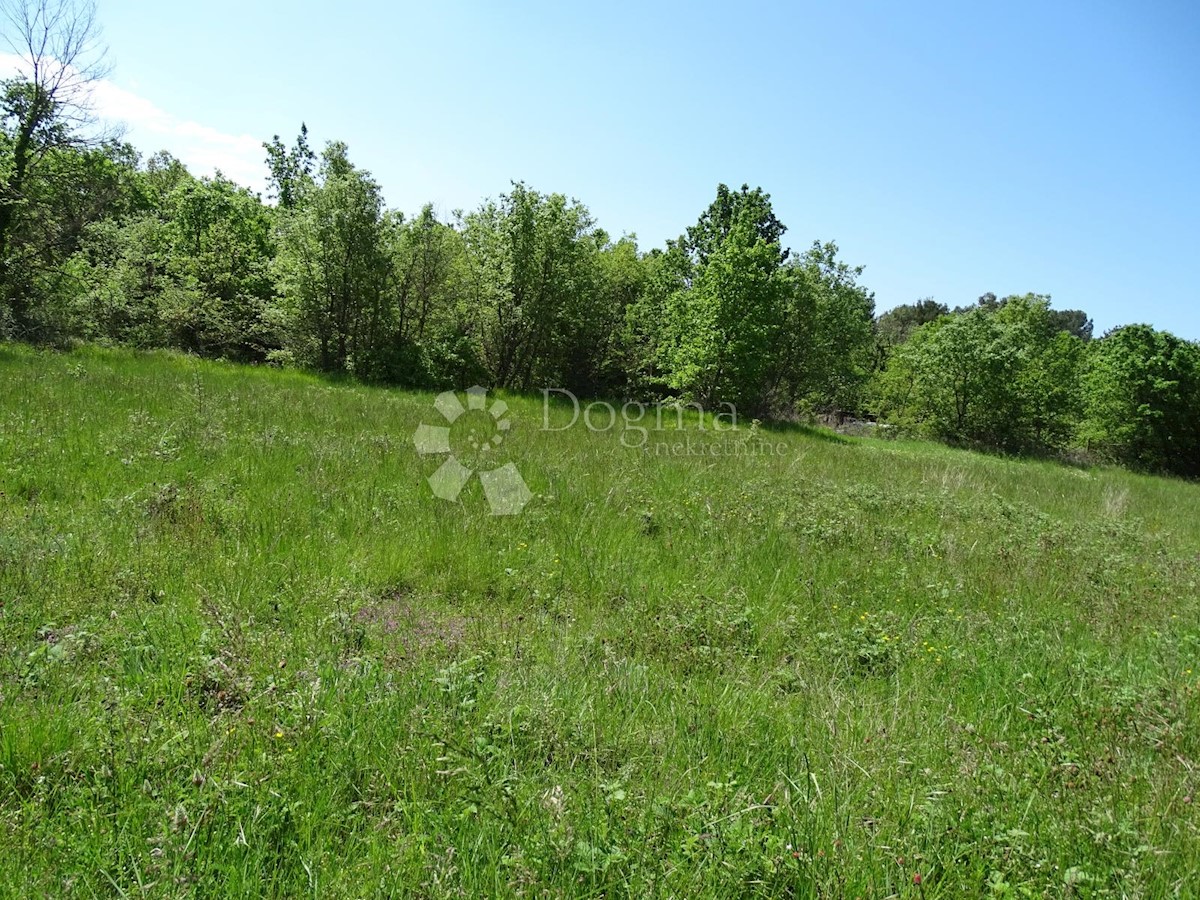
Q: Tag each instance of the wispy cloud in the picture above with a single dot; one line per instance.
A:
(202, 149)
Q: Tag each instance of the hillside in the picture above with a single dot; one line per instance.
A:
(244, 649)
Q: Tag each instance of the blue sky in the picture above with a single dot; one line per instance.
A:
(952, 148)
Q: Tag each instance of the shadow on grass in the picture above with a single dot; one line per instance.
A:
(816, 432)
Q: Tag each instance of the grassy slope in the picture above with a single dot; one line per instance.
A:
(244, 650)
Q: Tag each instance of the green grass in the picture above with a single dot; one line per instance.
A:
(244, 651)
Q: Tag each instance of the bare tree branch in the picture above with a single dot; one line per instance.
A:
(48, 105)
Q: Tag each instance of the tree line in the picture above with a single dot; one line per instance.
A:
(527, 291)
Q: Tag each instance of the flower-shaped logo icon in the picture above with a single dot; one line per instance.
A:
(478, 431)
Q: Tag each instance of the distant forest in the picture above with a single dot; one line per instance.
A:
(527, 291)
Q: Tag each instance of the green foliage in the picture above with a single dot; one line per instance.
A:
(432, 325)
(222, 249)
(1072, 321)
(833, 351)
(333, 272)
(527, 292)
(997, 375)
(721, 329)
(645, 336)
(1143, 400)
(729, 317)
(732, 209)
(535, 276)
(68, 191)
(187, 266)
(897, 324)
(43, 118)
(291, 170)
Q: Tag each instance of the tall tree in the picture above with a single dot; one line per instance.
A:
(333, 271)
(727, 210)
(434, 332)
(533, 266)
(837, 359)
(222, 246)
(290, 169)
(1143, 400)
(43, 109)
(721, 328)
(1072, 321)
(897, 324)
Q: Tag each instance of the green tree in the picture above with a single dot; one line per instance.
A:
(334, 274)
(833, 354)
(1072, 321)
(728, 210)
(291, 170)
(532, 260)
(75, 188)
(1047, 390)
(221, 251)
(951, 377)
(897, 324)
(998, 375)
(727, 315)
(43, 111)
(122, 279)
(645, 361)
(721, 329)
(178, 262)
(1142, 391)
(433, 328)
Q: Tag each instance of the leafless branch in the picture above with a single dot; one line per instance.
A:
(58, 43)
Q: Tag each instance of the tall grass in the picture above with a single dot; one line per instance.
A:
(245, 651)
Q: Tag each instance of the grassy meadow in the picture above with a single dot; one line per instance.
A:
(244, 651)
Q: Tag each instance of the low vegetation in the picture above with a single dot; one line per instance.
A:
(244, 650)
